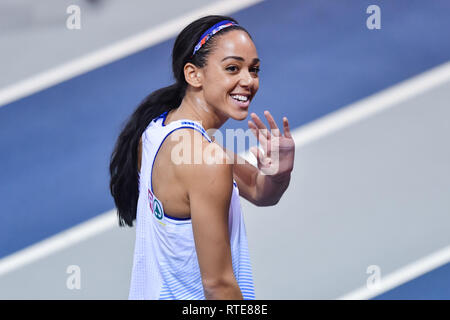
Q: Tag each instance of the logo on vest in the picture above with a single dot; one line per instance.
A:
(155, 206)
(158, 212)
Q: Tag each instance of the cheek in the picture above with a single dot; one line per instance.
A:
(219, 85)
(256, 84)
(213, 91)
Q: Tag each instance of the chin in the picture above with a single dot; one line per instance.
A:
(239, 115)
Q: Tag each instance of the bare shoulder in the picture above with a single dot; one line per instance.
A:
(200, 164)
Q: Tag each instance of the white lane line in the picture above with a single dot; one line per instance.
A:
(115, 51)
(303, 135)
(59, 241)
(373, 104)
(402, 275)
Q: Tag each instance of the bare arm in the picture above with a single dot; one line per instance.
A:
(257, 188)
(209, 188)
(260, 189)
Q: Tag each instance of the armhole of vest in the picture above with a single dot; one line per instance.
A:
(156, 154)
(161, 143)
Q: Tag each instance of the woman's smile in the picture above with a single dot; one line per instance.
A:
(242, 101)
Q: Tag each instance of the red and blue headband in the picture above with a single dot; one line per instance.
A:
(212, 31)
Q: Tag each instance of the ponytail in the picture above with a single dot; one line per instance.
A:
(123, 165)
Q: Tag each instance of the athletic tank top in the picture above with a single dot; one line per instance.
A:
(165, 264)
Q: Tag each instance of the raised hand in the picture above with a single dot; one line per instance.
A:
(277, 158)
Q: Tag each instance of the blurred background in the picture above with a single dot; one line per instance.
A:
(365, 86)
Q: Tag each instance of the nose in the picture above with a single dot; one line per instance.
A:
(246, 79)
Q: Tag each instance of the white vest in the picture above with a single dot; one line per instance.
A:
(165, 262)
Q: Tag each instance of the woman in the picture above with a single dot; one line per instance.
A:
(190, 234)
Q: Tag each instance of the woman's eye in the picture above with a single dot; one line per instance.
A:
(234, 68)
(256, 69)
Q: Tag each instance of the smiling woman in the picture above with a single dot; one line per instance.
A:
(190, 235)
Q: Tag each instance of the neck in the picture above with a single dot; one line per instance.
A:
(194, 107)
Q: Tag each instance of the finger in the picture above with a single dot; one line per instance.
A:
(272, 124)
(261, 126)
(268, 145)
(266, 141)
(287, 131)
(253, 128)
(258, 134)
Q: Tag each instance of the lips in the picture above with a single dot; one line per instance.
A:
(241, 104)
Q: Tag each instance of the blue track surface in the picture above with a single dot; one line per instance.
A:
(432, 285)
(317, 56)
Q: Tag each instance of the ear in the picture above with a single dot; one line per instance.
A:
(193, 75)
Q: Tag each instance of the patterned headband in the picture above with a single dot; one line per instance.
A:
(212, 31)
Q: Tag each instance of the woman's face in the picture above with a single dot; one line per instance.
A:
(231, 74)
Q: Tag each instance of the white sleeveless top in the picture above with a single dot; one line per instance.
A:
(165, 262)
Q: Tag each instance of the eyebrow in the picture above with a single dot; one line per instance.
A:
(255, 60)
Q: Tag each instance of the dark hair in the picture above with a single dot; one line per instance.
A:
(123, 166)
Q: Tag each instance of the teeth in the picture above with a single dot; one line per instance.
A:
(239, 97)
